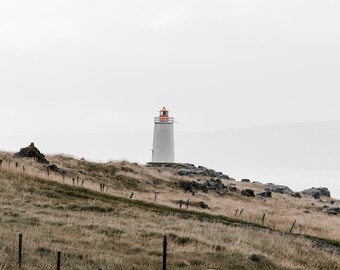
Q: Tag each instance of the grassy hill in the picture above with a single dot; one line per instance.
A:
(102, 228)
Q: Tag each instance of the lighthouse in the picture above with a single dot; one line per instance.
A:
(163, 150)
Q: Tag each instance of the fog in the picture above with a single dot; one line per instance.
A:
(298, 155)
(93, 74)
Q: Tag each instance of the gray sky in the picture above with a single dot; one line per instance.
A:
(106, 66)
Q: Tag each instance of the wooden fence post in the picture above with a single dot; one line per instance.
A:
(20, 250)
(165, 244)
(236, 212)
(291, 229)
(188, 204)
(131, 195)
(241, 212)
(264, 216)
(58, 260)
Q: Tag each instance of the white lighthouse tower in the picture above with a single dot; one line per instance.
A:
(163, 139)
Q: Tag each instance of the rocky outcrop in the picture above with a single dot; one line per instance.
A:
(213, 184)
(245, 180)
(279, 189)
(32, 152)
(248, 192)
(188, 169)
(316, 193)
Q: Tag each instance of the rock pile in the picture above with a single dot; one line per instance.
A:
(32, 152)
(213, 184)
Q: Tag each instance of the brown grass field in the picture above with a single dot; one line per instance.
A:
(107, 230)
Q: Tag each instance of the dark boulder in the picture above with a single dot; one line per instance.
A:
(332, 210)
(316, 193)
(265, 194)
(32, 152)
(248, 192)
(296, 195)
(203, 205)
(245, 180)
(191, 186)
(279, 189)
(231, 188)
(55, 168)
(214, 184)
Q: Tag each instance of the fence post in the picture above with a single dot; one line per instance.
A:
(165, 243)
(188, 204)
(20, 250)
(236, 212)
(241, 212)
(291, 229)
(58, 260)
(264, 216)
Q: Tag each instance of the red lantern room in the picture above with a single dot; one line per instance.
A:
(164, 115)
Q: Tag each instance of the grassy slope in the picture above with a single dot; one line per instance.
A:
(99, 230)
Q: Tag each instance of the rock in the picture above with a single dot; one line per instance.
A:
(32, 152)
(55, 168)
(332, 210)
(279, 189)
(203, 205)
(265, 194)
(214, 184)
(231, 188)
(332, 202)
(245, 180)
(296, 195)
(192, 186)
(256, 257)
(248, 192)
(183, 173)
(316, 193)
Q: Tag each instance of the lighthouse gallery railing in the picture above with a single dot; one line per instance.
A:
(164, 120)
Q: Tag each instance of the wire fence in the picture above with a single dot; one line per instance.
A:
(21, 252)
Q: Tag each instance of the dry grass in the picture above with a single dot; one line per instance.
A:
(97, 230)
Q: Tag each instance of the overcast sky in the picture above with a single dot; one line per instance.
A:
(105, 66)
